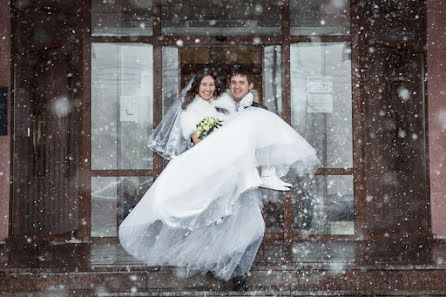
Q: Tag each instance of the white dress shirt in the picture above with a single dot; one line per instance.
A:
(245, 102)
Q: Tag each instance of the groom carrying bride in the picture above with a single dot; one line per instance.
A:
(204, 211)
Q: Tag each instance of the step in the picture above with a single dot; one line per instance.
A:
(106, 270)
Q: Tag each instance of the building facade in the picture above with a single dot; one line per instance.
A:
(86, 82)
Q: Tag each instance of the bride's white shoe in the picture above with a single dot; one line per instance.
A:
(272, 181)
(272, 184)
(283, 183)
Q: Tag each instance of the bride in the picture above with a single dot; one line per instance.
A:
(204, 211)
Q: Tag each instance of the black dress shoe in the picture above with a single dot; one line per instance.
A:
(240, 284)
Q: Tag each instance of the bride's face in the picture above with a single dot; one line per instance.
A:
(207, 87)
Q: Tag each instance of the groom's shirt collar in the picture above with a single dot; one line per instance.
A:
(245, 102)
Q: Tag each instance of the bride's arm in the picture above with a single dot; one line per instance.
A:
(188, 121)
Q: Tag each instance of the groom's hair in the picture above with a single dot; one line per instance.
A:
(240, 71)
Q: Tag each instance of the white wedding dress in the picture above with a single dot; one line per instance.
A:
(204, 212)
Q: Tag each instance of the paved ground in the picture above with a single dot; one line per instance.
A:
(338, 268)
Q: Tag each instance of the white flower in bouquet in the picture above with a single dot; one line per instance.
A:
(206, 126)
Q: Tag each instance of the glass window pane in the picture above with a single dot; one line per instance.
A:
(121, 106)
(272, 79)
(320, 17)
(321, 99)
(221, 18)
(171, 76)
(171, 79)
(112, 199)
(324, 205)
(121, 18)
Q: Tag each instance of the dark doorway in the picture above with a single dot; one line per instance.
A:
(46, 143)
(223, 59)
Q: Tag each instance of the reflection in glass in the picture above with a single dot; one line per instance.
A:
(320, 17)
(121, 18)
(121, 106)
(272, 79)
(323, 204)
(221, 18)
(321, 99)
(112, 199)
(171, 79)
(171, 76)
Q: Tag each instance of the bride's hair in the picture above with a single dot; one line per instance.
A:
(190, 94)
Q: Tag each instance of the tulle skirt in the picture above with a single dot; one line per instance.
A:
(204, 212)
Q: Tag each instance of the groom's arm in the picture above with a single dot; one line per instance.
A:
(255, 104)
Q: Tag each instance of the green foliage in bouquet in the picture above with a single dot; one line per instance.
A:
(206, 126)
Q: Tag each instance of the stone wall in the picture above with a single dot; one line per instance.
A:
(5, 143)
(436, 89)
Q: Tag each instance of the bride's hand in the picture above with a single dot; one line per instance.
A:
(195, 138)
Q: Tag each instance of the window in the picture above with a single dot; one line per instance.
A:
(122, 106)
(321, 111)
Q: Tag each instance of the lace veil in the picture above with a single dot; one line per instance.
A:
(167, 139)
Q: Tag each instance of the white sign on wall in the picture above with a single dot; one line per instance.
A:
(128, 109)
(319, 90)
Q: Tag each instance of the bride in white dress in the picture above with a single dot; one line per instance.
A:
(204, 211)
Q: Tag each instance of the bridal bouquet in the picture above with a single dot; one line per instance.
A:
(206, 126)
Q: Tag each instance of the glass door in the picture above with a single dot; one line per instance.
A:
(121, 122)
(301, 59)
(321, 111)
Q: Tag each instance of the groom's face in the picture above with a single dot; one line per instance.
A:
(240, 87)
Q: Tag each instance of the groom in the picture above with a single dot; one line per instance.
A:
(241, 83)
